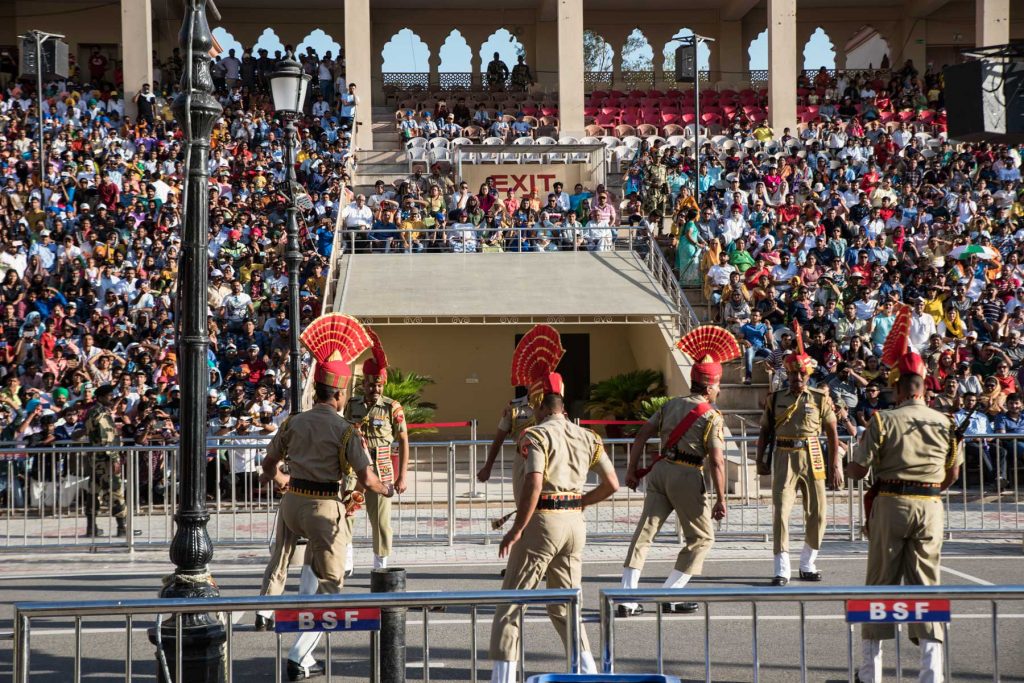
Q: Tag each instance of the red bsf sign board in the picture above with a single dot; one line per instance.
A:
(301, 621)
(896, 611)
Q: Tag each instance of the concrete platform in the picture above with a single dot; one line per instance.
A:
(566, 284)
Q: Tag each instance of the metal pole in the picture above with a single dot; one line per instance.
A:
(198, 637)
(391, 640)
(293, 258)
(40, 38)
(696, 125)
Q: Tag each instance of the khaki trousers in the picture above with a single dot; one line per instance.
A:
(551, 544)
(904, 546)
(378, 510)
(322, 522)
(679, 488)
(791, 471)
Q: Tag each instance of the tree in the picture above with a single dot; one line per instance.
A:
(636, 53)
(407, 388)
(597, 53)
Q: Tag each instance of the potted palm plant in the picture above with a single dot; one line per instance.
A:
(407, 388)
(622, 397)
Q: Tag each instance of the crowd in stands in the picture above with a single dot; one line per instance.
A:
(838, 227)
(88, 258)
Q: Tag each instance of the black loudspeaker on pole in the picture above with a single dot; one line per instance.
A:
(392, 625)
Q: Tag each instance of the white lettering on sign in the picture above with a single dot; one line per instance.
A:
(306, 621)
(351, 617)
(877, 611)
(330, 620)
(899, 611)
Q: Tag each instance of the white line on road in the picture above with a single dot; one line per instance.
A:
(964, 575)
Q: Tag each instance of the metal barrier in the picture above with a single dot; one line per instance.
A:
(25, 613)
(610, 598)
(45, 497)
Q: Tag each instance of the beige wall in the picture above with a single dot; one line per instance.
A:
(453, 354)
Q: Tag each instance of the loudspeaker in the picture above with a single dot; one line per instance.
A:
(55, 58)
(985, 100)
(686, 63)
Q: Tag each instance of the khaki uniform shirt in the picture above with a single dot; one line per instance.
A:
(99, 426)
(911, 442)
(320, 445)
(801, 416)
(563, 452)
(707, 432)
(381, 423)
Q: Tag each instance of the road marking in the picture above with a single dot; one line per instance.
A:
(964, 575)
(227, 570)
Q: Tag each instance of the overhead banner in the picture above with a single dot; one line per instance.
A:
(524, 178)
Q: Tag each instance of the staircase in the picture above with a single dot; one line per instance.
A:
(386, 161)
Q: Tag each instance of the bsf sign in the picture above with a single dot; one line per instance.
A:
(896, 611)
(300, 621)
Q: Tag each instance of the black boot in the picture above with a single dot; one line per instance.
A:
(91, 529)
(122, 529)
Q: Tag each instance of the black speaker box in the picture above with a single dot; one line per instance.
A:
(985, 100)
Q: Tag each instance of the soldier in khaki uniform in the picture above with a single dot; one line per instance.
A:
(690, 432)
(549, 533)
(103, 469)
(320, 445)
(795, 418)
(915, 454)
(382, 423)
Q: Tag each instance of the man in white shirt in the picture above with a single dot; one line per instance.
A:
(357, 215)
(718, 277)
(349, 102)
(922, 326)
(783, 273)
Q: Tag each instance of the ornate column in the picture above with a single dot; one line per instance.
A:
(570, 66)
(136, 49)
(357, 66)
(782, 65)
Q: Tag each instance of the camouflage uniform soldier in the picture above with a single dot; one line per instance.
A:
(657, 177)
(104, 468)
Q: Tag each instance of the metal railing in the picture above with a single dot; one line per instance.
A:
(658, 267)
(756, 597)
(175, 609)
(444, 502)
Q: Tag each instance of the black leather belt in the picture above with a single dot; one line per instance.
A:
(686, 459)
(899, 487)
(305, 487)
(569, 501)
(791, 443)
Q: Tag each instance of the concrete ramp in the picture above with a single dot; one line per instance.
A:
(572, 286)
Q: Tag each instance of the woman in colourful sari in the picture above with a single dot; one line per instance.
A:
(688, 252)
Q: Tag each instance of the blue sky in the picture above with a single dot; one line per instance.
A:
(405, 52)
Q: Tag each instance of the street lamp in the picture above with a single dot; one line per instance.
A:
(38, 38)
(288, 86)
(201, 657)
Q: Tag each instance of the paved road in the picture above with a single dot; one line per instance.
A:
(104, 641)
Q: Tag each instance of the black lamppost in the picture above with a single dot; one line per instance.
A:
(196, 111)
(288, 86)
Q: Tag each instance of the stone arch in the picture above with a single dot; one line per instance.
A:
(867, 47)
(637, 53)
(598, 54)
(455, 54)
(506, 44)
(270, 42)
(228, 42)
(757, 52)
(321, 43)
(669, 52)
(819, 51)
(406, 52)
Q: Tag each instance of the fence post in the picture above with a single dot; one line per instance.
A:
(472, 459)
(451, 493)
(132, 472)
(390, 650)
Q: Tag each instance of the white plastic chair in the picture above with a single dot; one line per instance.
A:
(491, 158)
(416, 143)
(438, 143)
(553, 157)
(414, 154)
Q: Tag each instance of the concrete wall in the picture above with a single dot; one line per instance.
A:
(482, 354)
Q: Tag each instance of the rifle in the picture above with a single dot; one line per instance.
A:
(872, 492)
(764, 466)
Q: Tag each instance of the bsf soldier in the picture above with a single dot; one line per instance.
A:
(793, 419)
(382, 423)
(915, 454)
(320, 445)
(537, 355)
(103, 469)
(691, 432)
(549, 533)
(657, 177)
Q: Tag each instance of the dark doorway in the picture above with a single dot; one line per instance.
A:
(575, 370)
